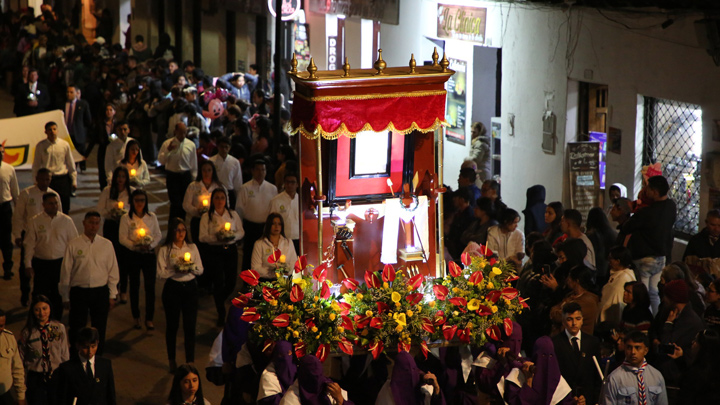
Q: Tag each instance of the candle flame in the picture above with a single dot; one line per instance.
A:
(205, 202)
(187, 256)
(141, 232)
(227, 226)
(120, 205)
(133, 172)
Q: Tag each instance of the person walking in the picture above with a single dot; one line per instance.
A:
(178, 156)
(55, 154)
(8, 197)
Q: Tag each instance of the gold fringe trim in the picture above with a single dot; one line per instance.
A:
(375, 96)
(343, 131)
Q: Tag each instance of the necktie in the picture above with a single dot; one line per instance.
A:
(575, 344)
(88, 370)
(642, 395)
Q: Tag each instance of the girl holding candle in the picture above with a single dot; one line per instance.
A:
(139, 235)
(221, 228)
(133, 161)
(113, 203)
(179, 262)
(273, 239)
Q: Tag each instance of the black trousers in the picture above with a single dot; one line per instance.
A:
(180, 298)
(102, 175)
(221, 266)
(38, 389)
(63, 186)
(253, 232)
(24, 278)
(47, 278)
(111, 230)
(177, 184)
(145, 263)
(89, 301)
(6, 243)
(232, 198)
(204, 280)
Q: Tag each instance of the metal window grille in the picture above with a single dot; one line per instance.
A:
(673, 137)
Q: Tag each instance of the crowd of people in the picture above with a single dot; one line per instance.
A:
(611, 318)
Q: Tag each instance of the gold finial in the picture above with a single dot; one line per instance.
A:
(380, 64)
(346, 68)
(293, 64)
(435, 57)
(444, 63)
(413, 64)
(312, 69)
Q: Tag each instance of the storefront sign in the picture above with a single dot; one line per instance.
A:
(456, 102)
(332, 53)
(289, 8)
(385, 11)
(301, 45)
(463, 23)
(584, 170)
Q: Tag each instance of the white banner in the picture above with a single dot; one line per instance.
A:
(20, 135)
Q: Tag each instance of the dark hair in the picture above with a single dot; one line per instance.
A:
(86, 336)
(215, 178)
(558, 208)
(468, 173)
(542, 255)
(91, 214)
(575, 250)
(114, 191)
(211, 210)
(268, 224)
(288, 152)
(597, 220)
(172, 227)
(291, 173)
(614, 187)
(254, 66)
(139, 158)
(485, 204)
(2, 313)
(259, 161)
(48, 196)
(223, 139)
(573, 216)
(571, 308)
(463, 193)
(134, 194)
(637, 336)
(49, 123)
(659, 184)
(714, 213)
(121, 123)
(641, 296)
(708, 356)
(623, 255)
(139, 38)
(494, 185)
(175, 397)
(43, 170)
(32, 322)
(507, 217)
(530, 241)
(583, 276)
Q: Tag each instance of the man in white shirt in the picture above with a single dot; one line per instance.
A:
(46, 237)
(89, 278)
(8, 196)
(55, 154)
(286, 204)
(178, 156)
(115, 151)
(228, 169)
(253, 206)
(570, 225)
(28, 205)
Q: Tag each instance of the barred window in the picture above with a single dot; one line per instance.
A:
(673, 137)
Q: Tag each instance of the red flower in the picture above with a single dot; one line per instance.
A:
(484, 311)
(241, 300)
(424, 348)
(320, 274)
(361, 321)
(322, 352)
(300, 349)
(382, 307)
(464, 335)
(251, 277)
(296, 293)
(347, 323)
(270, 294)
(509, 293)
(376, 347)
(300, 263)
(465, 259)
(458, 301)
(372, 280)
(346, 346)
(281, 321)
(427, 325)
(413, 299)
(351, 284)
(376, 323)
(415, 281)
(441, 292)
(439, 318)
(403, 347)
(388, 273)
(268, 346)
(449, 331)
(493, 296)
(476, 278)
(455, 270)
(493, 332)
(492, 261)
(345, 308)
(507, 323)
(511, 279)
(274, 257)
(250, 315)
(325, 291)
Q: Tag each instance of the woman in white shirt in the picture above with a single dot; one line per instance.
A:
(179, 262)
(113, 203)
(273, 239)
(134, 163)
(139, 235)
(221, 229)
(611, 301)
(506, 240)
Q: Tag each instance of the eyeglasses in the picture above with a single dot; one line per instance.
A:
(181, 230)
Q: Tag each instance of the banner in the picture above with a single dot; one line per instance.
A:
(456, 102)
(20, 135)
(462, 23)
(584, 170)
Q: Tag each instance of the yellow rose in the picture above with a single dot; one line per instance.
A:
(395, 296)
(290, 307)
(335, 306)
(296, 334)
(317, 337)
(496, 271)
(332, 317)
(398, 328)
(273, 303)
(386, 285)
(409, 312)
(315, 298)
(469, 325)
(431, 304)
(455, 290)
(490, 285)
(282, 258)
(397, 305)
(368, 313)
(314, 329)
(474, 304)
(456, 313)
(340, 329)
(359, 296)
(409, 288)
(494, 308)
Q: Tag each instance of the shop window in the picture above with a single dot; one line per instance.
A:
(673, 137)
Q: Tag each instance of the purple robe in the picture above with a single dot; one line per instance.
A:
(545, 381)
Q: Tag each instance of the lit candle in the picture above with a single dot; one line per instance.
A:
(206, 202)
(141, 232)
(133, 172)
(227, 226)
(120, 205)
(187, 256)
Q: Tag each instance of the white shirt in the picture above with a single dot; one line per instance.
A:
(194, 196)
(209, 229)
(114, 153)
(264, 248)
(229, 171)
(253, 203)
(505, 244)
(181, 159)
(129, 227)
(292, 396)
(385, 396)
(289, 209)
(590, 256)
(167, 257)
(47, 238)
(84, 362)
(570, 338)
(106, 204)
(8, 183)
(611, 303)
(29, 204)
(57, 157)
(89, 264)
(142, 174)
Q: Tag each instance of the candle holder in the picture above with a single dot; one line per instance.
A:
(226, 233)
(185, 264)
(143, 238)
(118, 211)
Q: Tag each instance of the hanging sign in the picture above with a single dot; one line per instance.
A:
(584, 165)
(463, 23)
(456, 111)
(289, 8)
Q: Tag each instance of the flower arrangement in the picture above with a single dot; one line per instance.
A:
(143, 238)
(388, 310)
(185, 264)
(472, 302)
(290, 308)
(226, 233)
(118, 211)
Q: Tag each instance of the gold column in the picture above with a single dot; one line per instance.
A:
(319, 197)
(440, 133)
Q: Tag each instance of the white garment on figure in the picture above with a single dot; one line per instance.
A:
(385, 396)
(264, 248)
(29, 204)
(590, 256)
(142, 174)
(168, 256)
(47, 238)
(182, 158)
(505, 244)
(229, 172)
(269, 383)
(106, 204)
(209, 228)
(195, 193)
(89, 264)
(9, 189)
(289, 209)
(56, 157)
(128, 233)
(611, 303)
(114, 153)
(292, 396)
(253, 203)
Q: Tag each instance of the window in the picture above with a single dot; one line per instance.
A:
(673, 137)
